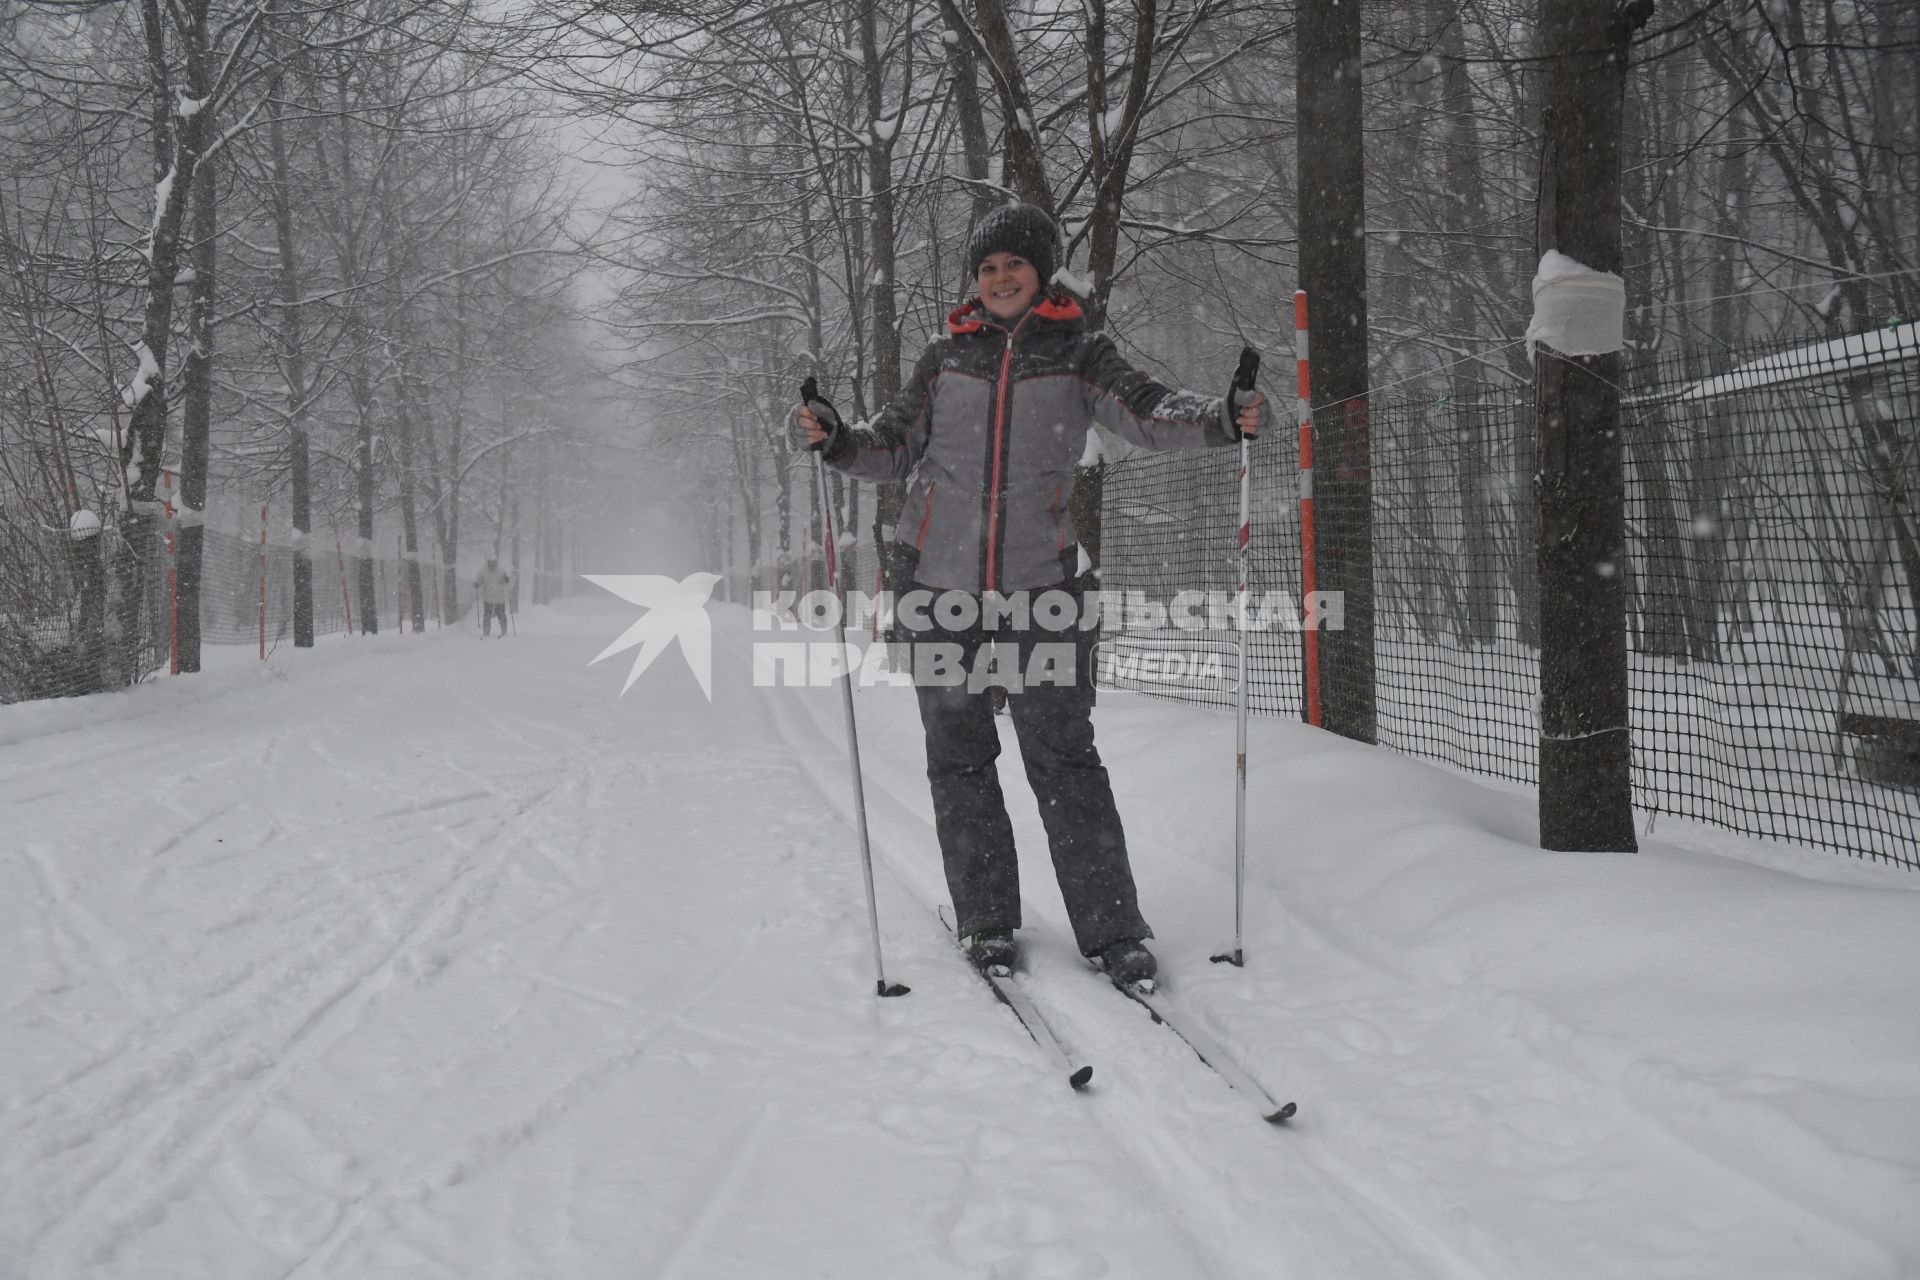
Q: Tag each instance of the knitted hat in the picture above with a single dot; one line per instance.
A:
(1021, 229)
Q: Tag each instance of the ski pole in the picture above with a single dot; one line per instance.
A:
(810, 396)
(1243, 378)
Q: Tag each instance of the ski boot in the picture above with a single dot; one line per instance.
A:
(1129, 963)
(993, 952)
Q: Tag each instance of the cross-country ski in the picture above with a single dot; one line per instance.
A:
(1209, 1051)
(1001, 978)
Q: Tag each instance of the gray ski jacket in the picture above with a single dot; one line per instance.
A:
(987, 432)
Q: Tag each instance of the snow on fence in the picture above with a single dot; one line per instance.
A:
(81, 607)
(86, 609)
(1772, 575)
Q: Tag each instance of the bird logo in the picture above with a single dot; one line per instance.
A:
(675, 610)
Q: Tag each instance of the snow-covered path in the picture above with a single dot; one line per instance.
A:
(422, 956)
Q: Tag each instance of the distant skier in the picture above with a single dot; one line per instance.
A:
(491, 585)
(986, 434)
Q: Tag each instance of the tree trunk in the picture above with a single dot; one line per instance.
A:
(974, 143)
(1523, 573)
(177, 143)
(1478, 260)
(409, 523)
(293, 365)
(359, 380)
(1586, 785)
(1654, 572)
(884, 375)
(400, 373)
(756, 540)
(1112, 157)
(1479, 570)
(363, 490)
(1422, 575)
(885, 322)
(1333, 271)
(513, 573)
(196, 385)
(783, 516)
(1025, 169)
(1662, 606)
(456, 437)
(1710, 518)
(90, 582)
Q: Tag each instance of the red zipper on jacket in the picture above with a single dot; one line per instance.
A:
(1001, 402)
(920, 540)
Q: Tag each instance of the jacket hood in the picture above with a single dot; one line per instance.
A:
(972, 315)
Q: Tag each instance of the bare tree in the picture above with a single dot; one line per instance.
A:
(1586, 790)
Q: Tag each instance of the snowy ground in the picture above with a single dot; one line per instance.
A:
(428, 957)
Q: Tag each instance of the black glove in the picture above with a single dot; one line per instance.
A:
(1240, 393)
(824, 414)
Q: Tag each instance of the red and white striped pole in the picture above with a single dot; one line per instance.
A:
(263, 582)
(1309, 581)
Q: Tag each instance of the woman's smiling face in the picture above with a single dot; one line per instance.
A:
(1008, 284)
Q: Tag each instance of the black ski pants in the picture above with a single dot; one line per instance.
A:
(1054, 727)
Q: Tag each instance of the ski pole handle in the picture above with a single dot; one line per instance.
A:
(823, 413)
(1240, 392)
(1248, 370)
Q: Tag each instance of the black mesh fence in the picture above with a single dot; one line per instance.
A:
(81, 606)
(1456, 615)
(235, 569)
(95, 606)
(1168, 527)
(1771, 571)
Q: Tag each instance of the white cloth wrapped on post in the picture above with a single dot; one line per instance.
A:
(1577, 311)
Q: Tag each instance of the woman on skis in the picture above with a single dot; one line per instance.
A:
(986, 434)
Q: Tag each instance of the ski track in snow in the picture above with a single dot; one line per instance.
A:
(1640, 1092)
(725, 1187)
(204, 1071)
(1576, 1096)
(1136, 1125)
(448, 1169)
(528, 980)
(178, 1144)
